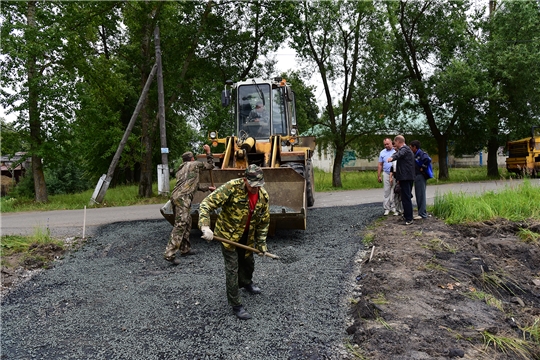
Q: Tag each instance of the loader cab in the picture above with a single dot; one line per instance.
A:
(263, 109)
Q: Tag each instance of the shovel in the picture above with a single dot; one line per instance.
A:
(245, 247)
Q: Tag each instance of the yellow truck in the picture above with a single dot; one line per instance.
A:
(266, 134)
(524, 155)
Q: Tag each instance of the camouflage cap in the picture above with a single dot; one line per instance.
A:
(254, 176)
(187, 156)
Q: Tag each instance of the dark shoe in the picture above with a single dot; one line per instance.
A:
(252, 289)
(190, 252)
(173, 261)
(408, 222)
(240, 312)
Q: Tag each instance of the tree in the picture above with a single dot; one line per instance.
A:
(332, 38)
(431, 43)
(36, 81)
(307, 111)
(510, 50)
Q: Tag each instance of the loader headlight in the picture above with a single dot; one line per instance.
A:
(293, 132)
(213, 135)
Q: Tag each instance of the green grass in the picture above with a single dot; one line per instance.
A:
(519, 203)
(19, 244)
(532, 331)
(125, 195)
(379, 299)
(487, 298)
(355, 350)
(508, 344)
(433, 265)
(368, 239)
(439, 245)
(528, 236)
(10, 244)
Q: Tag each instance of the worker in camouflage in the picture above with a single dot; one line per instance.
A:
(187, 183)
(244, 218)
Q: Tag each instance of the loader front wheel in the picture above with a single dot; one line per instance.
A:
(298, 167)
(307, 173)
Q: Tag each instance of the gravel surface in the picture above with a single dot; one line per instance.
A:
(116, 298)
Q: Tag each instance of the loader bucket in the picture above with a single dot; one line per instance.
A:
(285, 187)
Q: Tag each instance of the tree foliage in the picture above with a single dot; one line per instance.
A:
(74, 71)
(335, 40)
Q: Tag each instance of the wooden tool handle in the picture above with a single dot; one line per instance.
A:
(245, 247)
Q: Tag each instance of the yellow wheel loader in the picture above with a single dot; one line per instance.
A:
(266, 135)
(524, 155)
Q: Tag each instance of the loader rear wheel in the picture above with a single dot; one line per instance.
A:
(310, 184)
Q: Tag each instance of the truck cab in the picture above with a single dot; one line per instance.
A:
(524, 155)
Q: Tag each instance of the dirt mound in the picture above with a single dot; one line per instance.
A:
(433, 291)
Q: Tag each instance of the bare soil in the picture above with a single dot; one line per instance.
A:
(434, 291)
(18, 267)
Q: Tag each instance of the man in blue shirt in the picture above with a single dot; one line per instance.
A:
(384, 169)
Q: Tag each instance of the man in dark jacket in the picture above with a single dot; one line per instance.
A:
(405, 175)
(422, 161)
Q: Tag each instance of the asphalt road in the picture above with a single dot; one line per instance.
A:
(70, 223)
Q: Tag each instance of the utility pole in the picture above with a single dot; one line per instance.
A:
(105, 180)
(163, 168)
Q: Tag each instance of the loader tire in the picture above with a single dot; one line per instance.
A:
(310, 184)
(307, 173)
(298, 167)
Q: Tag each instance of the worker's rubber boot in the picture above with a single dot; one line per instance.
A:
(252, 289)
(173, 260)
(190, 252)
(240, 312)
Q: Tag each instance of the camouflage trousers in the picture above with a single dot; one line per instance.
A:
(179, 239)
(238, 271)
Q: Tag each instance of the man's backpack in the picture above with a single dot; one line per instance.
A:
(428, 171)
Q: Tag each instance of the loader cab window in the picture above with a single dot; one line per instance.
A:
(254, 110)
(279, 118)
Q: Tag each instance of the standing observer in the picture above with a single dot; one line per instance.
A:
(385, 168)
(421, 162)
(405, 175)
(187, 183)
(244, 218)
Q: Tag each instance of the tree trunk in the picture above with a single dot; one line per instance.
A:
(40, 188)
(336, 171)
(442, 149)
(493, 143)
(493, 147)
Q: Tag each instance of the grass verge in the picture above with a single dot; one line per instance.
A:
(29, 251)
(516, 203)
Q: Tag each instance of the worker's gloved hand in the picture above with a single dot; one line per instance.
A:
(261, 253)
(207, 233)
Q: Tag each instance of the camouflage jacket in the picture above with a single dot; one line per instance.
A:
(187, 178)
(232, 197)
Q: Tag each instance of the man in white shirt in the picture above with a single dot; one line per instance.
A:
(384, 170)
